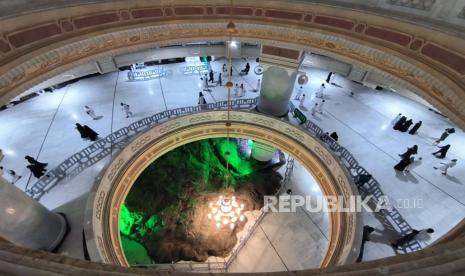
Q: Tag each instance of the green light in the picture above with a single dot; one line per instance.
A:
(242, 166)
(135, 252)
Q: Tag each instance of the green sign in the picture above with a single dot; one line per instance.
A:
(299, 115)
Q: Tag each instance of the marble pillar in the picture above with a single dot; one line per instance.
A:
(262, 152)
(234, 48)
(276, 90)
(25, 222)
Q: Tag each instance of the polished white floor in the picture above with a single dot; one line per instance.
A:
(43, 127)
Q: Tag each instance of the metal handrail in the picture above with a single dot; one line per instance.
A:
(390, 215)
(118, 139)
(90, 155)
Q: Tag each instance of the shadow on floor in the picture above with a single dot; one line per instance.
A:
(454, 179)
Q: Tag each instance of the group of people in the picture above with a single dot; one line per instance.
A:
(37, 168)
(239, 91)
(88, 133)
(13, 176)
(317, 106)
(407, 158)
(402, 124)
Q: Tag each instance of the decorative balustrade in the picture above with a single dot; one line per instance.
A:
(118, 139)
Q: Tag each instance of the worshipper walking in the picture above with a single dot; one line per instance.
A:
(320, 92)
(334, 136)
(236, 90)
(86, 132)
(224, 68)
(202, 100)
(34, 162)
(399, 123)
(444, 135)
(328, 78)
(412, 161)
(211, 76)
(445, 166)
(396, 119)
(405, 240)
(406, 125)
(403, 164)
(247, 68)
(81, 131)
(320, 106)
(314, 108)
(220, 80)
(89, 111)
(415, 128)
(127, 109)
(14, 177)
(410, 151)
(36, 171)
(367, 230)
(93, 136)
(37, 168)
(242, 90)
(441, 153)
(299, 93)
(331, 80)
(302, 100)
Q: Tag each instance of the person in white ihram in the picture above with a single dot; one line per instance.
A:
(302, 100)
(314, 109)
(300, 91)
(90, 112)
(319, 92)
(320, 106)
(236, 90)
(445, 166)
(14, 177)
(127, 109)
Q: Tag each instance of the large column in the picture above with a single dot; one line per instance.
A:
(280, 71)
(234, 48)
(262, 152)
(106, 65)
(25, 222)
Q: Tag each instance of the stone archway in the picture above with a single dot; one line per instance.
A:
(115, 182)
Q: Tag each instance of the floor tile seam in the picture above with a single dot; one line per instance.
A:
(274, 248)
(113, 110)
(314, 223)
(47, 132)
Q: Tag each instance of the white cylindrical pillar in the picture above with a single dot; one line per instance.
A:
(26, 222)
(262, 152)
(276, 90)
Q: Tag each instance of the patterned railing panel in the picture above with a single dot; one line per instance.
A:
(103, 147)
(391, 216)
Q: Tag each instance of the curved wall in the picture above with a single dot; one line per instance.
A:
(39, 45)
(110, 192)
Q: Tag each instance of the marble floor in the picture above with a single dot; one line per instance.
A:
(44, 128)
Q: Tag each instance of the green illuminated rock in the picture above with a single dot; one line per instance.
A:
(157, 219)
